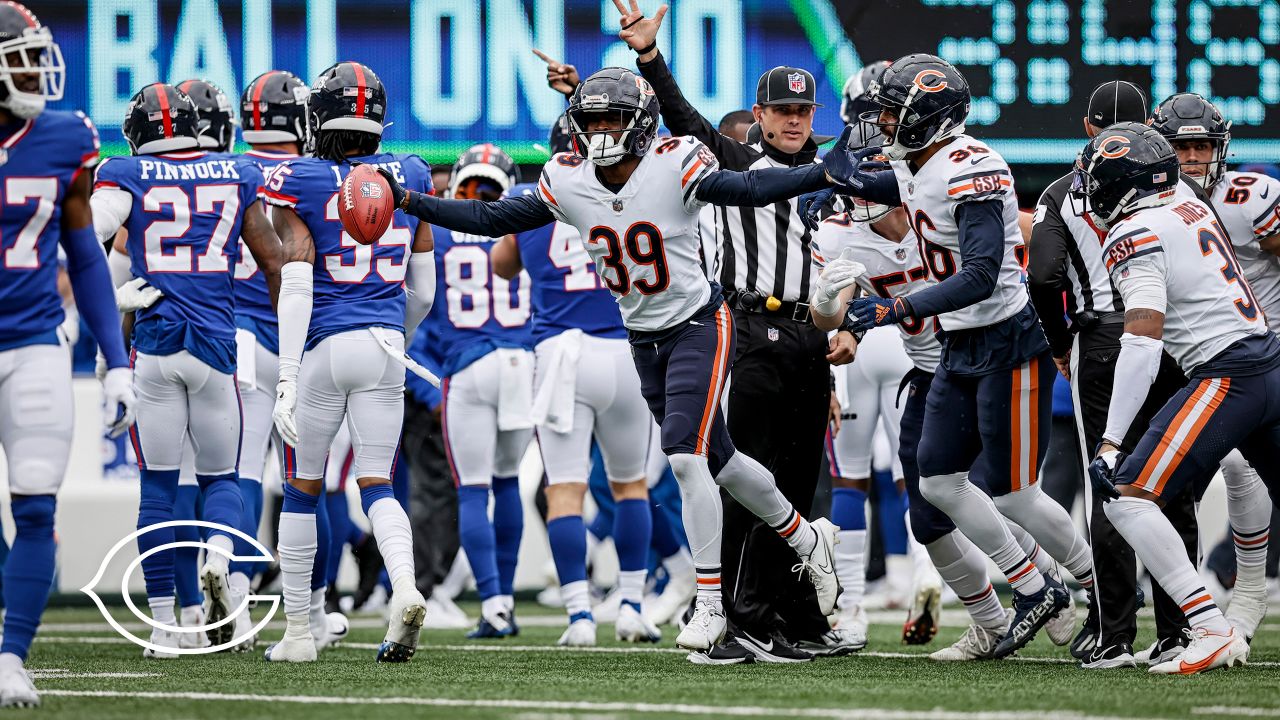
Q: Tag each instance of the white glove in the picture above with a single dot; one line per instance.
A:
(286, 401)
(836, 276)
(100, 366)
(135, 295)
(121, 403)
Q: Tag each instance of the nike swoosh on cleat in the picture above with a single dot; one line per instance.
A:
(1189, 669)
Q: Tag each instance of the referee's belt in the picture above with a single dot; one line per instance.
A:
(768, 305)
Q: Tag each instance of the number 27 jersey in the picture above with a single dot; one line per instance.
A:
(643, 239)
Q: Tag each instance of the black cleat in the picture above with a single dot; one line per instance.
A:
(773, 648)
(728, 652)
(1110, 655)
(1086, 641)
(1030, 613)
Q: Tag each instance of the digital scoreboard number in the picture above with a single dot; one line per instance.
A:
(1032, 65)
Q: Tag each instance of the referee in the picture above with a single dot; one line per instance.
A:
(780, 387)
(1065, 258)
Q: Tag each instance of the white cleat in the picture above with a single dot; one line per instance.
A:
(580, 633)
(165, 639)
(408, 612)
(244, 629)
(1207, 651)
(444, 614)
(925, 610)
(977, 643)
(192, 616)
(852, 623)
(632, 627)
(1061, 628)
(217, 601)
(336, 627)
(295, 647)
(16, 688)
(820, 564)
(675, 597)
(705, 628)
(1247, 610)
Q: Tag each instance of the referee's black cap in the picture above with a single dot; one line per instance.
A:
(1116, 101)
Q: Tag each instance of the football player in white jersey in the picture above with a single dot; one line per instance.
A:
(636, 206)
(1248, 206)
(1184, 292)
(985, 405)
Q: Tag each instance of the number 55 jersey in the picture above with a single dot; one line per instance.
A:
(643, 239)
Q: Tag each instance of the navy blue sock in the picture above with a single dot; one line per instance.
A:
(28, 572)
(568, 538)
(320, 568)
(159, 491)
(664, 540)
(336, 507)
(186, 560)
(251, 497)
(477, 537)
(222, 502)
(893, 524)
(508, 526)
(849, 508)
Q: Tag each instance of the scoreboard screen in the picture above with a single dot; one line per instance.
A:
(463, 71)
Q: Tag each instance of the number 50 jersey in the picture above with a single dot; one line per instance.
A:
(644, 238)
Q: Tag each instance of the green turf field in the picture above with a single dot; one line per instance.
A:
(84, 670)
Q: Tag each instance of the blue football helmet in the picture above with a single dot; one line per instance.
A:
(928, 99)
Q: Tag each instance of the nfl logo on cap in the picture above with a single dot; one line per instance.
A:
(795, 81)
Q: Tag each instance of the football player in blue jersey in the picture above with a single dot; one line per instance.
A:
(217, 124)
(585, 386)
(184, 211)
(483, 327)
(345, 304)
(44, 187)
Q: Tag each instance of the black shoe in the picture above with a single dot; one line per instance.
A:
(1110, 655)
(369, 563)
(772, 648)
(1030, 613)
(331, 600)
(728, 652)
(1085, 641)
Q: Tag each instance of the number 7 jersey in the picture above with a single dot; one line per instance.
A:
(643, 239)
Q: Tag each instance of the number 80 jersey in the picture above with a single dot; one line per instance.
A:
(643, 239)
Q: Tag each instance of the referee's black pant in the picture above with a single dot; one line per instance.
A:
(779, 396)
(1114, 565)
(433, 500)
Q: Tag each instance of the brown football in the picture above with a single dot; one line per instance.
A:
(365, 205)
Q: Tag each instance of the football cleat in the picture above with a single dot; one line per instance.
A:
(773, 648)
(296, 646)
(834, 643)
(852, 621)
(705, 628)
(497, 625)
(632, 627)
(820, 565)
(926, 608)
(1164, 649)
(727, 653)
(217, 601)
(1207, 651)
(16, 688)
(977, 643)
(165, 639)
(444, 614)
(1061, 627)
(673, 600)
(408, 611)
(336, 627)
(1117, 655)
(192, 616)
(1030, 613)
(244, 629)
(580, 633)
(1085, 641)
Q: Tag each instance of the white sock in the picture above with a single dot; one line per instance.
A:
(798, 533)
(851, 567)
(1160, 549)
(1034, 551)
(216, 560)
(239, 583)
(394, 536)
(755, 489)
(1249, 507)
(702, 513)
(508, 602)
(631, 586)
(577, 597)
(10, 661)
(492, 609)
(976, 516)
(1050, 524)
(316, 617)
(964, 568)
(162, 610)
(297, 549)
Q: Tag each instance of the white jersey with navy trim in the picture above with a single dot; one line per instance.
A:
(894, 269)
(966, 170)
(644, 239)
(1249, 207)
(1208, 302)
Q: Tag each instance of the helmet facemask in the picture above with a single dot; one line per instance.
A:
(601, 147)
(1214, 168)
(907, 128)
(33, 53)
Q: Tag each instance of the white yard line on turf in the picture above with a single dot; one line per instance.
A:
(1237, 711)
(582, 706)
(52, 674)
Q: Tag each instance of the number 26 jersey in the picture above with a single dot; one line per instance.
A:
(643, 239)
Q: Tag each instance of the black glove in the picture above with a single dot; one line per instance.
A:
(811, 204)
(1102, 474)
(398, 194)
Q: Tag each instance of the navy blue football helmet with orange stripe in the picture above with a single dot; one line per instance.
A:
(1125, 168)
(347, 108)
(161, 118)
(928, 98)
(217, 125)
(623, 94)
(273, 109)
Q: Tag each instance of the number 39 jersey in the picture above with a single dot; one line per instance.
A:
(1249, 207)
(966, 170)
(1209, 304)
(893, 270)
(41, 159)
(356, 286)
(184, 230)
(475, 311)
(643, 239)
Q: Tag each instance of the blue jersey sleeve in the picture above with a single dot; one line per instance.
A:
(112, 172)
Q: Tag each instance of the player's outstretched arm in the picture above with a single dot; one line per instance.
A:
(758, 188)
(264, 244)
(501, 217)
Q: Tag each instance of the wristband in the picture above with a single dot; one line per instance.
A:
(651, 46)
